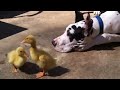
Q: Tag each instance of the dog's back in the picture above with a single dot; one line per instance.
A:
(111, 20)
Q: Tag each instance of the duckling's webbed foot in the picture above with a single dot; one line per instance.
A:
(40, 74)
(15, 70)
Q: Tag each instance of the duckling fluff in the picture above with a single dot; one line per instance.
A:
(17, 58)
(43, 59)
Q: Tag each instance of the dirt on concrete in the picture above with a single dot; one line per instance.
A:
(100, 62)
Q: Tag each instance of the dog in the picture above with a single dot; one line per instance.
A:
(88, 32)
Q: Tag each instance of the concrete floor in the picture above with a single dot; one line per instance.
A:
(101, 62)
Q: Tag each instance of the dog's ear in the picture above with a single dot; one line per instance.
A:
(88, 16)
(89, 23)
(78, 16)
(88, 20)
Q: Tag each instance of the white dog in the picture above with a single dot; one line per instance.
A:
(84, 34)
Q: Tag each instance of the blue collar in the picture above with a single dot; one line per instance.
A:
(100, 21)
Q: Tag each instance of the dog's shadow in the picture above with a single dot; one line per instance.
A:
(109, 46)
(31, 68)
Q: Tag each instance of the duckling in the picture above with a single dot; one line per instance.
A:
(43, 59)
(17, 58)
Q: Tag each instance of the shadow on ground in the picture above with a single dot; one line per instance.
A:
(58, 71)
(7, 29)
(10, 14)
(109, 46)
(29, 15)
(30, 68)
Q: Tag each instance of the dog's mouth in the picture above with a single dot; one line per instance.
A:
(63, 45)
(63, 49)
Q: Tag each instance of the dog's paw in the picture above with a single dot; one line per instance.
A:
(96, 12)
(82, 42)
(79, 47)
(82, 48)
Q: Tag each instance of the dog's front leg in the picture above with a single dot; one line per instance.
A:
(101, 39)
(85, 44)
(106, 38)
(83, 47)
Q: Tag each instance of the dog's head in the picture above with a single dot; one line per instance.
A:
(73, 33)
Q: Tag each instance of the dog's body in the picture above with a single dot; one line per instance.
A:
(84, 34)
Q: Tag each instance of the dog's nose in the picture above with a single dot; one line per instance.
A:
(54, 43)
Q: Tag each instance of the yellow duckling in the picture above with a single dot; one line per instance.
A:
(41, 58)
(17, 58)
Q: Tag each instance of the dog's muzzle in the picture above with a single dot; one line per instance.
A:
(54, 43)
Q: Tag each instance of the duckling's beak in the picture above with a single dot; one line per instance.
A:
(23, 42)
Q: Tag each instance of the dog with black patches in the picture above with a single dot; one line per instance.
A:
(88, 32)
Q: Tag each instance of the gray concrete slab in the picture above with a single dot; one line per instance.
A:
(101, 62)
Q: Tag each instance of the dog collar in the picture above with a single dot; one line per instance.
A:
(101, 25)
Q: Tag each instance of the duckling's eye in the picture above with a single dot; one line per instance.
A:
(21, 51)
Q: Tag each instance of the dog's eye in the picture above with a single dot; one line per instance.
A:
(74, 27)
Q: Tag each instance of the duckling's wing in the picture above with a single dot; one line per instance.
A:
(51, 63)
(42, 61)
(11, 56)
(47, 62)
(19, 61)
